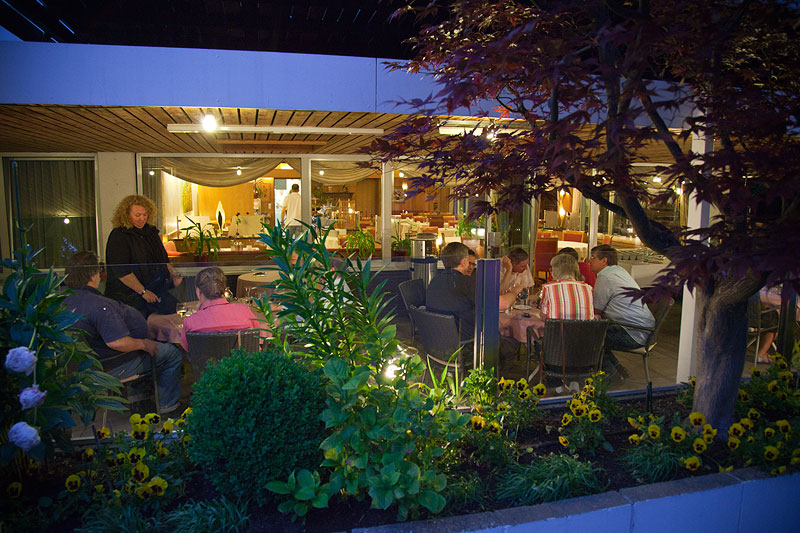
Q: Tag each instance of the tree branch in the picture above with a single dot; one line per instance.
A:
(661, 127)
(653, 234)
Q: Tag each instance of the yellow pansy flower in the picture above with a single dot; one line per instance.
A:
(135, 418)
(654, 431)
(494, 427)
(736, 430)
(144, 492)
(769, 432)
(564, 441)
(697, 419)
(754, 372)
(692, 381)
(743, 396)
(746, 422)
(136, 455)
(73, 483)
(634, 439)
(773, 386)
(692, 463)
(140, 431)
(140, 472)
(595, 415)
(634, 423)
(753, 414)
(699, 445)
(783, 426)
(539, 390)
(770, 453)
(158, 486)
(677, 433)
(524, 394)
(152, 418)
(522, 384)
(103, 433)
(478, 422)
(723, 469)
(566, 419)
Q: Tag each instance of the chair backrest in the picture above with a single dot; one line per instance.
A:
(547, 244)
(439, 332)
(582, 342)
(206, 345)
(573, 236)
(412, 292)
(659, 310)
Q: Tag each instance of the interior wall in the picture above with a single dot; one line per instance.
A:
(439, 202)
(235, 199)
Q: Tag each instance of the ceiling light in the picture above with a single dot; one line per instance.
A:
(321, 172)
(284, 166)
(152, 172)
(66, 220)
(561, 192)
(209, 123)
(678, 191)
(405, 186)
(238, 171)
(401, 174)
(657, 179)
(277, 130)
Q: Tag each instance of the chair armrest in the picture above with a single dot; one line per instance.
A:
(468, 341)
(532, 332)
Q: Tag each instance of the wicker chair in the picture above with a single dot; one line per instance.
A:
(571, 350)
(413, 294)
(441, 339)
(113, 362)
(207, 345)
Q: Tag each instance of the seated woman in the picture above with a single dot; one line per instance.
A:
(566, 297)
(586, 272)
(215, 312)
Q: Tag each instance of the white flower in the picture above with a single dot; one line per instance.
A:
(31, 397)
(20, 360)
(24, 436)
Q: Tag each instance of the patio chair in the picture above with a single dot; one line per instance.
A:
(570, 350)
(546, 249)
(756, 323)
(413, 294)
(659, 310)
(441, 338)
(207, 345)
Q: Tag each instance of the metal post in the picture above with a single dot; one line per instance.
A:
(487, 315)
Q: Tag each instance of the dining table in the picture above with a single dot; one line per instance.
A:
(514, 322)
(581, 247)
(252, 284)
(771, 297)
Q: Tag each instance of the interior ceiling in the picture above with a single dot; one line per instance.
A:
(344, 27)
(62, 128)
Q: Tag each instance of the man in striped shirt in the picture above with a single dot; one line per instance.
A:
(566, 297)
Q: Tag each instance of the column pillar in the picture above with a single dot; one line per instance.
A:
(387, 188)
(305, 189)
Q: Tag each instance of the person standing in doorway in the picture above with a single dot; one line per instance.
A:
(291, 211)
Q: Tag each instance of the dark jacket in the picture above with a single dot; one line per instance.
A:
(139, 251)
(453, 293)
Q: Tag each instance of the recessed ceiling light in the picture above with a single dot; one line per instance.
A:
(321, 172)
(209, 123)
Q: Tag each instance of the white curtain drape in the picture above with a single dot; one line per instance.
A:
(221, 171)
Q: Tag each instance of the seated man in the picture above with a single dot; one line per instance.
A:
(610, 302)
(453, 291)
(215, 312)
(515, 273)
(585, 270)
(112, 328)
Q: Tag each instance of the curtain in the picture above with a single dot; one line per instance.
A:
(221, 171)
(56, 199)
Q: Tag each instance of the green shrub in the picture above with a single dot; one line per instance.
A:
(255, 418)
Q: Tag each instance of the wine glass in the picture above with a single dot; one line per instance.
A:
(523, 296)
(181, 310)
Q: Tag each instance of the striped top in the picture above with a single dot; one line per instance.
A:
(567, 299)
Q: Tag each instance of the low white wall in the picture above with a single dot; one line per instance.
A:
(744, 500)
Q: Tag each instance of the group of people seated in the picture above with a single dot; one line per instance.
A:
(139, 282)
(578, 291)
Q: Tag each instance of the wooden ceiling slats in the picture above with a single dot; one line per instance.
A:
(152, 127)
(164, 117)
(230, 117)
(121, 122)
(75, 133)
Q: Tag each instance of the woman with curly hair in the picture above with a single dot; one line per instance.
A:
(139, 272)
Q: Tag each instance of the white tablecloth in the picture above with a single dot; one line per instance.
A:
(254, 280)
(581, 247)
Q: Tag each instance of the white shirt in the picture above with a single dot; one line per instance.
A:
(517, 279)
(293, 209)
(611, 283)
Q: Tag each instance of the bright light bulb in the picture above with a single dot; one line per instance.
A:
(678, 191)
(209, 123)
(561, 192)
(401, 174)
(152, 172)
(561, 211)
(321, 172)
(439, 241)
(405, 186)
(238, 171)
(349, 210)
(657, 179)
(66, 220)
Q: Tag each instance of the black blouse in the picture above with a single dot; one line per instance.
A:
(137, 251)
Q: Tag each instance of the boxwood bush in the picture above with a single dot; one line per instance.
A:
(255, 417)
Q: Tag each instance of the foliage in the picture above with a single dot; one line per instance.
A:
(255, 418)
(467, 226)
(582, 426)
(467, 490)
(444, 390)
(479, 386)
(327, 312)
(33, 322)
(577, 79)
(548, 479)
(360, 243)
(220, 515)
(771, 391)
(201, 238)
(117, 519)
(384, 439)
(660, 450)
(305, 490)
(401, 244)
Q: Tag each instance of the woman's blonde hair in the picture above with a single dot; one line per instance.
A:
(121, 216)
(564, 266)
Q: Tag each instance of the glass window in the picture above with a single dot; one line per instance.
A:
(56, 200)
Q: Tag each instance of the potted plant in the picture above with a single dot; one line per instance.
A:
(360, 242)
(201, 240)
(467, 229)
(401, 247)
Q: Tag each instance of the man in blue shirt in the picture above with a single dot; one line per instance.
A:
(611, 302)
(112, 328)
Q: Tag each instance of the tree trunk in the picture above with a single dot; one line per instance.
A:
(721, 350)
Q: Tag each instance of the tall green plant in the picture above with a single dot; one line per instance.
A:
(360, 242)
(384, 439)
(201, 239)
(46, 377)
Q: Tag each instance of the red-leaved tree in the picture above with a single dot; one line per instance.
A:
(597, 82)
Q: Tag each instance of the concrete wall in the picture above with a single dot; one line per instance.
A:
(742, 501)
(116, 179)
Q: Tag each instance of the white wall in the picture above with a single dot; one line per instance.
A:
(116, 179)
